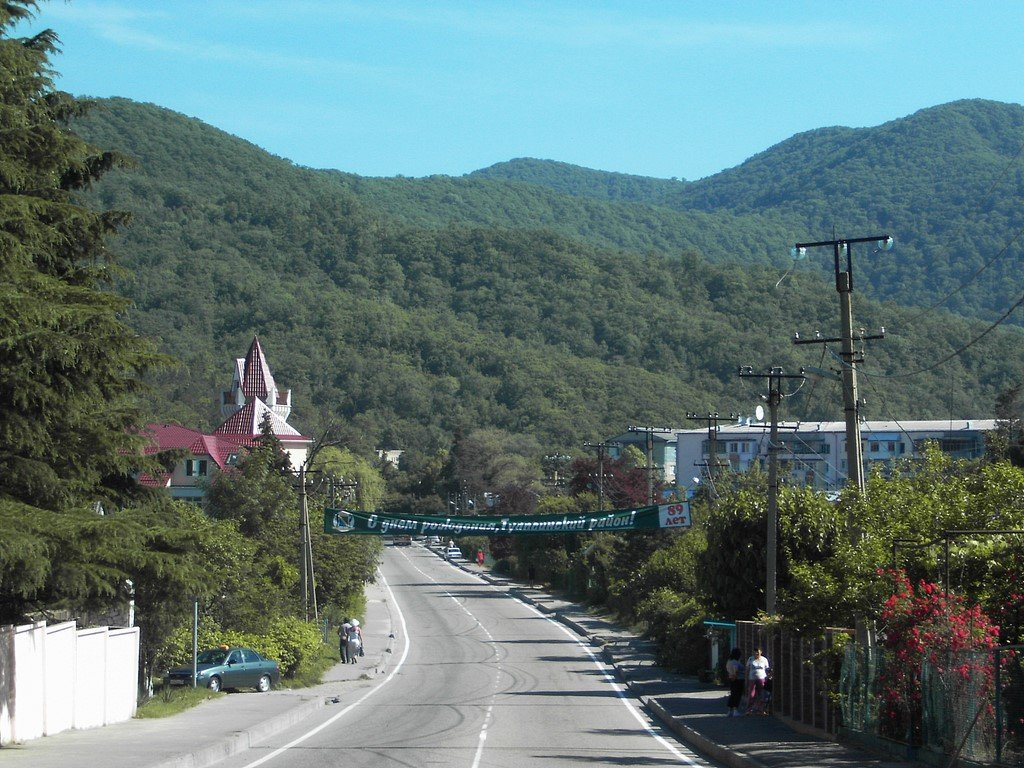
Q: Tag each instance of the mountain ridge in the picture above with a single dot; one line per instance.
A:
(396, 327)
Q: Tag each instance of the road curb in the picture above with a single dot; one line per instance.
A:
(698, 741)
(243, 740)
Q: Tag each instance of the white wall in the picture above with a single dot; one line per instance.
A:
(56, 678)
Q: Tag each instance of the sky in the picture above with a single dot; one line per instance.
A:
(680, 89)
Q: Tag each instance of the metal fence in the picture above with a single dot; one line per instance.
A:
(968, 705)
(802, 671)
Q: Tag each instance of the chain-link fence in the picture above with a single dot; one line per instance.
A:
(858, 687)
(969, 704)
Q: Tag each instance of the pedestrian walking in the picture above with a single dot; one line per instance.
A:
(757, 675)
(735, 672)
(343, 632)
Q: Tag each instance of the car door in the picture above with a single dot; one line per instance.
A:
(234, 670)
(253, 667)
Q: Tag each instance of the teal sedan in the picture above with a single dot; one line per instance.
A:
(226, 667)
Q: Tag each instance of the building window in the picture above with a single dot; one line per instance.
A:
(195, 467)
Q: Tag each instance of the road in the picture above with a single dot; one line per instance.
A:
(479, 680)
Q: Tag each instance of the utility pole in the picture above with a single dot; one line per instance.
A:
(553, 464)
(774, 398)
(712, 464)
(305, 547)
(307, 573)
(851, 403)
(602, 451)
(649, 445)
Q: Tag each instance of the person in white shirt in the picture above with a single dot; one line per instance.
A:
(757, 675)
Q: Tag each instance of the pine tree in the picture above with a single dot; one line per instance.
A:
(69, 366)
(70, 369)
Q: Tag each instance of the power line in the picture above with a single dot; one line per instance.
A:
(953, 354)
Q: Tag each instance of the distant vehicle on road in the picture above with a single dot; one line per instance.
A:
(229, 667)
(403, 541)
(453, 553)
(434, 541)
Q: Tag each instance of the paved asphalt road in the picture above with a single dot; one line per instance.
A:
(479, 680)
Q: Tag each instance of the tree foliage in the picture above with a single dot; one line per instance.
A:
(407, 315)
(70, 367)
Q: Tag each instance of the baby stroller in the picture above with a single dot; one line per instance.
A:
(762, 705)
(766, 695)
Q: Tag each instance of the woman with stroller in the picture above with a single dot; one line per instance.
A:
(757, 675)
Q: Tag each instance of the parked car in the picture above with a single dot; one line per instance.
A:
(229, 667)
(453, 553)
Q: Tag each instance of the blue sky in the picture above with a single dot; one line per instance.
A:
(667, 89)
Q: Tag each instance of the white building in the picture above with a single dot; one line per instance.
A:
(253, 399)
(814, 453)
(663, 449)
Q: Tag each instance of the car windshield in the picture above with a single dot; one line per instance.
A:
(213, 656)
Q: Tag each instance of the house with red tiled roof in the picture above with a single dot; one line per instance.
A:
(253, 399)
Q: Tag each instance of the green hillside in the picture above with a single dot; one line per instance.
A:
(583, 182)
(477, 200)
(399, 334)
(946, 182)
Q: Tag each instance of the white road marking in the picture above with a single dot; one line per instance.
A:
(620, 693)
(353, 705)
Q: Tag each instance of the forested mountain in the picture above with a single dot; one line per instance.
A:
(947, 183)
(400, 322)
(583, 182)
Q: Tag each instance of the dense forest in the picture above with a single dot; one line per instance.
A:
(403, 310)
(947, 183)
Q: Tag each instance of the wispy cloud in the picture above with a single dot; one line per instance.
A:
(572, 24)
(160, 31)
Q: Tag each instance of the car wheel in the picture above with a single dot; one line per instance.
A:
(214, 684)
(263, 684)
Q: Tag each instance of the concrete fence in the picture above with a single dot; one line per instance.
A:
(54, 678)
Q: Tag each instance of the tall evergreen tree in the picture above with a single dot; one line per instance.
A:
(70, 424)
(69, 366)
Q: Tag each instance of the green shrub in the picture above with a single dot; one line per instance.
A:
(292, 642)
(676, 623)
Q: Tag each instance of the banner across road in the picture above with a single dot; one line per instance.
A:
(347, 521)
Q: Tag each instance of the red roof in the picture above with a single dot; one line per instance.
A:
(258, 380)
(164, 437)
(248, 420)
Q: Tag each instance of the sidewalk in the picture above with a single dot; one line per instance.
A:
(695, 712)
(217, 729)
(200, 737)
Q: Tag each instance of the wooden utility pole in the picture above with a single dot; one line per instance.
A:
(649, 445)
(774, 398)
(602, 451)
(712, 464)
(850, 357)
(305, 547)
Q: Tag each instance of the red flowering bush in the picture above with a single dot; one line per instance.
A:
(924, 625)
